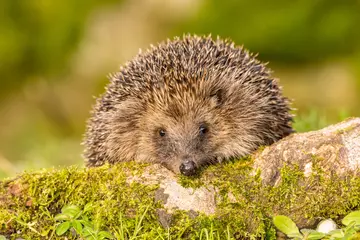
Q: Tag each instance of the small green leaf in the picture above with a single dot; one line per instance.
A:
(286, 225)
(2, 237)
(337, 233)
(105, 235)
(88, 207)
(85, 222)
(353, 216)
(88, 232)
(76, 224)
(71, 210)
(295, 235)
(62, 216)
(349, 234)
(351, 225)
(62, 228)
(315, 235)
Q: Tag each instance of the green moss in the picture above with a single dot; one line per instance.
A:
(29, 202)
(191, 181)
(44, 193)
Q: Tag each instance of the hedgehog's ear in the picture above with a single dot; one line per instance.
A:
(217, 97)
(128, 108)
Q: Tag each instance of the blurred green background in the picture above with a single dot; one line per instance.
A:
(55, 55)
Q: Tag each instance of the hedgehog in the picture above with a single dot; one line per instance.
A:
(187, 103)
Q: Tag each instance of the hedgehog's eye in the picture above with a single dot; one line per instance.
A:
(162, 132)
(203, 129)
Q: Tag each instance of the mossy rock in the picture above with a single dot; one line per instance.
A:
(120, 194)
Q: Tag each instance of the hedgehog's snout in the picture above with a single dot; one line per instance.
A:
(187, 168)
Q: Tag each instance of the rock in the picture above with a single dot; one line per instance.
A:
(177, 197)
(173, 196)
(337, 148)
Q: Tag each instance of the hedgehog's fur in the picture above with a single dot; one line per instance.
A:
(210, 100)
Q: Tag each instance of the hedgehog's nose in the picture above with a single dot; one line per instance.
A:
(188, 168)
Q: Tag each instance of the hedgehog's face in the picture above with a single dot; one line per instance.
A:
(183, 134)
(187, 127)
(184, 146)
